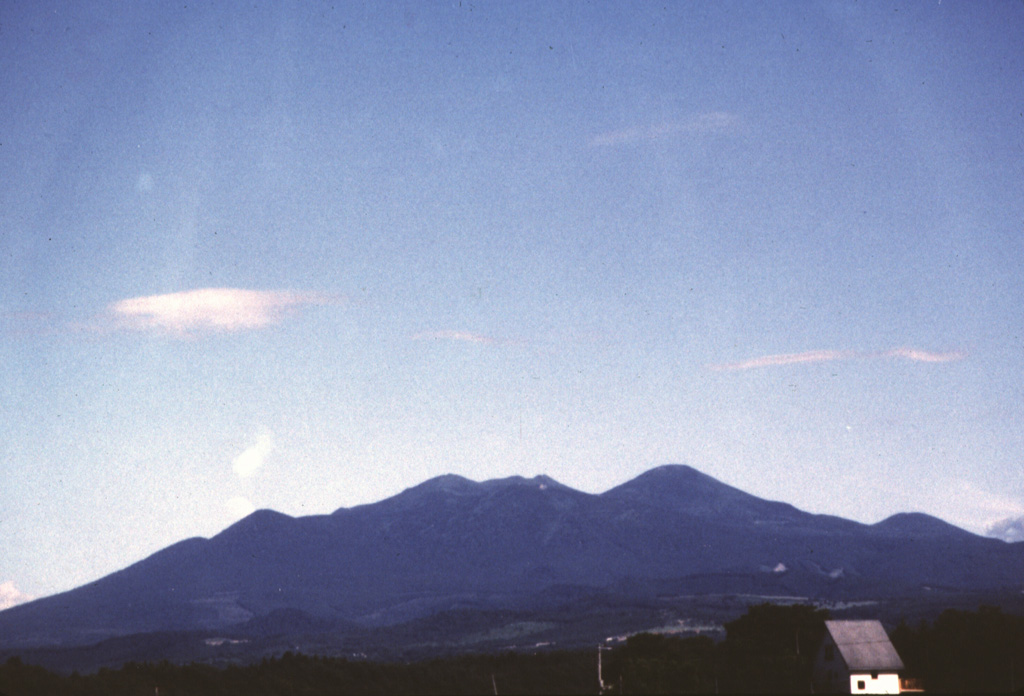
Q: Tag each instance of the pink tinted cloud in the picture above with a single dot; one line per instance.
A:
(212, 309)
(925, 356)
(786, 359)
(816, 356)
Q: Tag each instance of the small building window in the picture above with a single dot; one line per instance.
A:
(874, 675)
(860, 684)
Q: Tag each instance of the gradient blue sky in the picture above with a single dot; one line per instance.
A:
(304, 255)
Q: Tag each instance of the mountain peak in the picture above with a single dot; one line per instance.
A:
(256, 525)
(674, 472)
(453, 484)
(542, 482)
(261, 519)
(446, 483)
(672, 479)
(681, 487)
(917, 524)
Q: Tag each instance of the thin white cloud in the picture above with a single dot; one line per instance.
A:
(812, 356)
(960, 502)
(925, 356)
(817, 356)
(711, 122)
(252, 459)
(144, 184)
(240, 506)
(464, 336)
(11, 595)
(982, 509)
(1007, 529)
(212, 309)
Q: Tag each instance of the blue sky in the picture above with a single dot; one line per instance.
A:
(304, 255)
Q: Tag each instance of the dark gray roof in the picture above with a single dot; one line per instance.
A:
(864, 645)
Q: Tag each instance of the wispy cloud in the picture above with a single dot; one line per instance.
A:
(252, 459)
(464, 336)
(993, 513)
(817, 356)
(924, 355)
(11, 595)
(961, 502)
(212, 309)
(785, 359)
(1007, 529)
(698, 124)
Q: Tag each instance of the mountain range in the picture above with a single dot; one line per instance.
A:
(515, 559)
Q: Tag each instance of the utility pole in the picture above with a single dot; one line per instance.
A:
(600, 679)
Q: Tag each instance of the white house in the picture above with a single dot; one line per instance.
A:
(856, 657)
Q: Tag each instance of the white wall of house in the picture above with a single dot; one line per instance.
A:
(881, 683)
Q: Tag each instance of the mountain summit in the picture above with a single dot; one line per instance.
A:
(515, 544)
(682, 488)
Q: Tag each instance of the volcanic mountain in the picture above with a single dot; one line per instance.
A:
(515, 544)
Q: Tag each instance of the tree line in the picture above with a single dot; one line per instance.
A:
(770, 649)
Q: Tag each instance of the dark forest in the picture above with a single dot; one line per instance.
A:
(767, 650)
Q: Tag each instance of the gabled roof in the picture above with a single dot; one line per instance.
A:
(864, 646)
